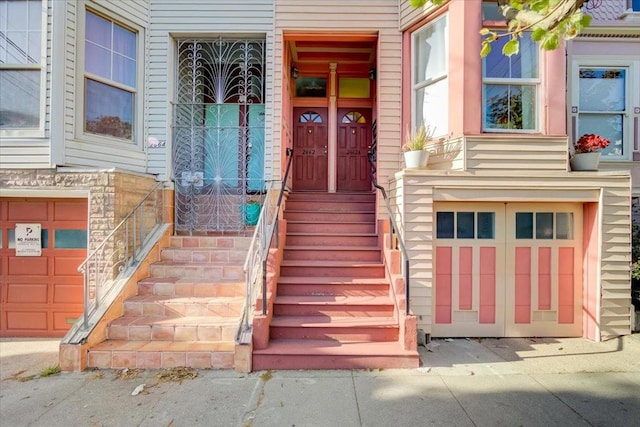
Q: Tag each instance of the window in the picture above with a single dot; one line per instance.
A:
(21, 46)
(510, 88)
(465, 225)
(110, 78)
(540, 225)
(429, 80)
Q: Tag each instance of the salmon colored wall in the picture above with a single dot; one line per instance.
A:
(590, 293)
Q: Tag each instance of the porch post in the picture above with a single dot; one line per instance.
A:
(333, 128)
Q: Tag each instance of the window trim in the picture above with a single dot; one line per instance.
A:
(136, 140)
(632, 96)
(38, 132)
(416, 87)
(536, 83)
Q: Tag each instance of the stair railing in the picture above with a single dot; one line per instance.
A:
(120, 250)
(394, 231)
(266, 232)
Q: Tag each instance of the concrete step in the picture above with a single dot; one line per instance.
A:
(209, 271)
(171, 328)
(220, 242)
(332, 286)
(178, 287)
(330, 205)
(321, 216)
(371, 269)
(336, 197)
(328, 354)
(338, 306)
(159, 305)
(203, 255)
(118, 354)
(332, 239)
(330, 227)
(332, 253)
(364, 329)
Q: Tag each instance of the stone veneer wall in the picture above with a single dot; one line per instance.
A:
(112, 194)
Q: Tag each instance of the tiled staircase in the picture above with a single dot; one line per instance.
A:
(185, 314)
(333, 308)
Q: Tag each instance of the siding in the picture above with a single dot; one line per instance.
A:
(413, 193)
(516, 152)
(197, 18)
(409, 15)
(93, 150)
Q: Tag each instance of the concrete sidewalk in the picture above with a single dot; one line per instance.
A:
(533, 382)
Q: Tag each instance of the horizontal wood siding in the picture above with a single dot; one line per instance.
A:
(446, 155)
(409, 15)
(414, 192)
(173, 19)
(516, 152)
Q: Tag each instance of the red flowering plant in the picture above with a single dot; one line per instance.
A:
(590, 143)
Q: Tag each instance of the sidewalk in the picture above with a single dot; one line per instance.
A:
(533, 382)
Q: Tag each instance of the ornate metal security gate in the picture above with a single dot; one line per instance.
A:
(218, 144)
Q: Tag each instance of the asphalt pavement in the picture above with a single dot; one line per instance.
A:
(462, 382)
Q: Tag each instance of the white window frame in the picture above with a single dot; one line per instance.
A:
(38, 132)
(82, 75)
(423, 84)
(536, 83)
(632, 96)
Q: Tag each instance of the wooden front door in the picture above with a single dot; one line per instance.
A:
(310, 154)
(354, 139)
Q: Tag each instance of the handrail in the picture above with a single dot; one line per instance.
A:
(394, 230)
(255, 265)
(119, 250)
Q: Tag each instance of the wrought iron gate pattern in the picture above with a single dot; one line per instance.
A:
(218, 133)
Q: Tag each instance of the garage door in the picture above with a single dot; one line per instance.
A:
(508, 270)
(42, 295)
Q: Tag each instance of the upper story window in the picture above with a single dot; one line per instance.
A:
(510, 88)
(21, 62)
(430, 91)
(110, 77)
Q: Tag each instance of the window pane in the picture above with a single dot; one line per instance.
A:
(97, 60)
(98, 30)
(544, 225)
(510, 107)
(564, 225)
(524, 225)
(444, 224)
(20, 100)
(490, 12)
(313, 87)
(430, 50)
(465, 229)
(609, 126)
(70, 239)
(354, 87)
(124, 41)
(602, 89)
(524, 65)
(432, 107)
(486, 225)
(109, 110)
(17, 15)
(124, 70)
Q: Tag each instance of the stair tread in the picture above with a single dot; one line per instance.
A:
(332, 280)
(334, 347)
(176, 321)
(183, 299)
(155, 346)
(333, 300)
(330, 248)
(197, 264)
(322, 263)
(340, 234)
(311, 321)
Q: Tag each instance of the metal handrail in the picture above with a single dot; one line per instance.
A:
(266, 231)
(120, 250)
(394, 230)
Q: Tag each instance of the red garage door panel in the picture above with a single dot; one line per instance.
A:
(42, 296)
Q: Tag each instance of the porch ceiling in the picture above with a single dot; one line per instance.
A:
(318, 53)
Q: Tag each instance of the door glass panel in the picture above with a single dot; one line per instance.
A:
(564, 225)
(486, 225)
(524, 225)
(444, 225)
(465, 229)
(70, 239)
(544, 225)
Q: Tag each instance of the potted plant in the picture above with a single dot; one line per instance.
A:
(252, 210)
(586, 154)
(415, 146)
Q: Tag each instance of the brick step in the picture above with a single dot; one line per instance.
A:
(332, 253)
(222, 242)
(160, 305)
(326, 354)
(334, 328)
(330, 205)
(336, 305)
(319, 216)
(373, 269)
(352, 286)
(209, 271)
(177, 287)
(203, 255)
(332, 239)
(338, 197)
(118, 354)
(331, 227)
(166, 328)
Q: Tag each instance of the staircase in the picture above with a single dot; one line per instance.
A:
(185, 314)
(333, 307)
